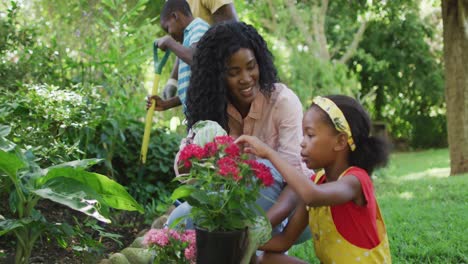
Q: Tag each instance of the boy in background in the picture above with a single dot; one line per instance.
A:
(211, 11)
(184, 31)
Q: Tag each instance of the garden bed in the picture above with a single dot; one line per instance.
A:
(126, 224)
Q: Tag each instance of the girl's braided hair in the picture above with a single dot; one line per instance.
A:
(207, 95)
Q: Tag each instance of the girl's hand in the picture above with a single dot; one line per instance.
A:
(254, 146)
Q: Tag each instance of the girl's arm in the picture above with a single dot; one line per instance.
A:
(287, 119)
(284, 240)
(333, 193)
(282, 207)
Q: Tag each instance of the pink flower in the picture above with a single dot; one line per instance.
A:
(156, 236)
(174, 234)
(189, 236)
(171, 246)
(190, 252)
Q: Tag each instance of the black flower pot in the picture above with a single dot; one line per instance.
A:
(215, 247)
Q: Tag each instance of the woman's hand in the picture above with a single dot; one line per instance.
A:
(254, 146)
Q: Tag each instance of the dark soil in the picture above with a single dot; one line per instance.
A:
(46, 250)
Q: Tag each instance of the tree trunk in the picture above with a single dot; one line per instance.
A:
(455, 24)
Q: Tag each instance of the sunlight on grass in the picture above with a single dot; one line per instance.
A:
(430, 173)
(406, 195)
(404, 164)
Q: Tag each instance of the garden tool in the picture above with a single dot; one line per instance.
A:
(158, 65)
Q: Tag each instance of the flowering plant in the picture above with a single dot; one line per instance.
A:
(224, 184)
(171, 246)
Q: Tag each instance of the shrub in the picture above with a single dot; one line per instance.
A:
(68, 184)
(56, 121)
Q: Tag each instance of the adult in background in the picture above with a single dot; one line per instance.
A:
(211, 11)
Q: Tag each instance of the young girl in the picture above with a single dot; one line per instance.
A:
(339, 201)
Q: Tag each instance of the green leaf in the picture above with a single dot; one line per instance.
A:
(110, 4)
(234, 204)
(4, 130)
(74, 194)
(201, 197)
(10, 164)
(77, 164)
(6, 145)
(182, 192)
(113, 194)
(11, 224)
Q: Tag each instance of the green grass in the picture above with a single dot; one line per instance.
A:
(426, 212)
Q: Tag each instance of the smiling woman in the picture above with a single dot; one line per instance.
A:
(234, 83)
(242, 79)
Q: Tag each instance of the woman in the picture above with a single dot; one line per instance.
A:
(234, 83)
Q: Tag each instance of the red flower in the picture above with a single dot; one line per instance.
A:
(224, 140)
(228, 167)
(232, 150)
(190, 151)
(261, 171)
(210, 149)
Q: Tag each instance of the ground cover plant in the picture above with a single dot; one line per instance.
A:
(424, 210)
(67, 184)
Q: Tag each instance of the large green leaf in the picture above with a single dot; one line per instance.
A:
(78, 164)
(113, 194)
(10, 164)
(182, 192)
(76, 195)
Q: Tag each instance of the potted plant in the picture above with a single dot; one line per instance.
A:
(222, 186)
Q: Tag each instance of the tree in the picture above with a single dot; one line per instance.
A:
(312, 41)
(399, 66)
(455, 21)
(382, 52)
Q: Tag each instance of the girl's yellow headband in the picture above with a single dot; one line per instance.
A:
(337, 117)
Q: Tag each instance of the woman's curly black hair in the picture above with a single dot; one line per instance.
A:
(207, 95)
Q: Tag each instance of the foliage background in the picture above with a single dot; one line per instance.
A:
(100, 51)
(74, 74)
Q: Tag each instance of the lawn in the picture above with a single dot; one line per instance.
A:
(425, 210)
